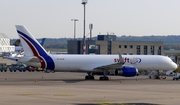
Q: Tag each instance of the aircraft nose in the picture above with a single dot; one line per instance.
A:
(174, 65)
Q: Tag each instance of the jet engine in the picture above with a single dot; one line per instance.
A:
(127, 71)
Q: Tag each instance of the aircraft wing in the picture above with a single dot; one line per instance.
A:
(96, 67)
(111, 66)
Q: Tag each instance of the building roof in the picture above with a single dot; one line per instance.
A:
(2, 35)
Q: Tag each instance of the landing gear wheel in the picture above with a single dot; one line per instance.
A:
(164, 77)
(87, 77)
(100, 78)
(92, 77)
(158, 77)
(149, 77)
(104, 78)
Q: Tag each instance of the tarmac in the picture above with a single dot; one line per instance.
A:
(70, 88)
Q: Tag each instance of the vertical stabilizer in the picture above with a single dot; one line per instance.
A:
(30, 45)
(33, 48)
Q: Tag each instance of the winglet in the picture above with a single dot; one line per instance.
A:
(121, 58)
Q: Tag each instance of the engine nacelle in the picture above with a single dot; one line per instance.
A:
(127, 71)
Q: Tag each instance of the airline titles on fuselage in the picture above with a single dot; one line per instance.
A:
(128, 60)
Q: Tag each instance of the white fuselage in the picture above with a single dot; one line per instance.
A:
(36, 55)
(91, 62)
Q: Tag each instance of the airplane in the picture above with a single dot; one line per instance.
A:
(122, 65)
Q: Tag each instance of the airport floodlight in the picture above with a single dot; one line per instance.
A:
(74, 20)
(84, 39)
(90, 26)
(74, 27)
(84, 1)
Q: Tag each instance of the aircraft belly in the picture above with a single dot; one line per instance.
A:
(66, 67)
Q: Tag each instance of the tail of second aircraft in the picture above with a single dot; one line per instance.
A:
(32, 47)
(42, 41)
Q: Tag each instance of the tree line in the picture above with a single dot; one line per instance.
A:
(170, 41)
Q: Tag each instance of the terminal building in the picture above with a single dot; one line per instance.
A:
(5, 46)
(107, 44)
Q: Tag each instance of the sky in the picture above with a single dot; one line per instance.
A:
(52, 18)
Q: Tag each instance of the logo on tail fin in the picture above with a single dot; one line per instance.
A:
(38, 51)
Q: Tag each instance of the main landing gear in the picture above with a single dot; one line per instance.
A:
(105, 77)
(89, 76)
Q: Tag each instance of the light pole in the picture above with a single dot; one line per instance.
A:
(90, 28)
(84, 2)
(74, 27)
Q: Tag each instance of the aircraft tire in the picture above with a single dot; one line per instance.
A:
(100, 78)
(86, 77)
(106, 78)
(89, 77)
(103, 78)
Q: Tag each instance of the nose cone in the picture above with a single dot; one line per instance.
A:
(174, 66)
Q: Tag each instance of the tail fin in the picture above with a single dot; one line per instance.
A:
(30, 45)
(33, 48)
(42, 41)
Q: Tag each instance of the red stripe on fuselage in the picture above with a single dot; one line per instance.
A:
(35, 53)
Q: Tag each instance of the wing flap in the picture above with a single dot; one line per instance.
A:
(114, 65)
(111, 66)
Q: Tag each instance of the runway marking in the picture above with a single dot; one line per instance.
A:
(42, 94)
(63, 95)
(102, 101)
(30, 94)
(120, 104)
